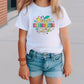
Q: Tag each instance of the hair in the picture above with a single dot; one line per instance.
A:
(55, 5)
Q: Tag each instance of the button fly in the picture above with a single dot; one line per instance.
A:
(44, 56)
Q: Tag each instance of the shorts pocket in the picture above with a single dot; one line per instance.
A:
(29, 57)
(57, 58)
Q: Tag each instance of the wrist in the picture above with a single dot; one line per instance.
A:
(67, 58)
(67, 61)
(23, 65)
(22, 62)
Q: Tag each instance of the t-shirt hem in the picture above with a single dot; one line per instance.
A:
(65, 25)
(20, 27)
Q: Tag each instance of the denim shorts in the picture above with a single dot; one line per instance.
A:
(49, 64)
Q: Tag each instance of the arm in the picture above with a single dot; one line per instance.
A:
(23, 70)
(67, 51)
(66, 43)
(22, 45)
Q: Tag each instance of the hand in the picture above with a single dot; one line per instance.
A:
(24, 72)
(67, 68)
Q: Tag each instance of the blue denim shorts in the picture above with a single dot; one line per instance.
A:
(49, 64)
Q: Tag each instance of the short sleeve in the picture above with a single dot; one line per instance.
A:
(22, 20)
(65, 21)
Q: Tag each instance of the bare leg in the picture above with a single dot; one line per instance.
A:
(53, 80)
(36, 80)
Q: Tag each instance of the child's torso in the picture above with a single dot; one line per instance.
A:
(43, 28)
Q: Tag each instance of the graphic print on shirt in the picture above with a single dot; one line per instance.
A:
(44, 24)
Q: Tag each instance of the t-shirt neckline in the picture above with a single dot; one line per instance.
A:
(40, 6)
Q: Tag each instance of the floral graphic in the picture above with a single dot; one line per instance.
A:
(44, 24)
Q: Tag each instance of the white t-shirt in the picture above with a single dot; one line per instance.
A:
(43, 28)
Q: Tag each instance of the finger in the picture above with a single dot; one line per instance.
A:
(71, 70)
(19, 74)
(69, 73)
(28, 74)
(26, 77)
(23, 76)
(63, 71)
(66, 74)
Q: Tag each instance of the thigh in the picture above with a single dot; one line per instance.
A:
(35, 69)
(36, 80)
(55, 80)
(54, 72)
(35, 65)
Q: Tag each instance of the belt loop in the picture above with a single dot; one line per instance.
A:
(31, 53)
(50, 55)
(36, 54)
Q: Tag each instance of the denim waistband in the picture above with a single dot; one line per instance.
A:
(36, 53)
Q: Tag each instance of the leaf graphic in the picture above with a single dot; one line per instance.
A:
(46, 17)
(38, 20)
(43, 17)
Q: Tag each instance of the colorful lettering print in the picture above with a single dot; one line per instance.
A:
(44, 24)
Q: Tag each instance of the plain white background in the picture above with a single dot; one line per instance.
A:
(9, 64)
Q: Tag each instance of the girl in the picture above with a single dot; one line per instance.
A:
(44, 24)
